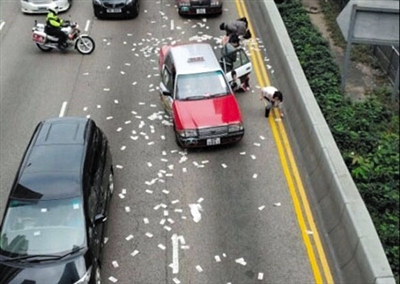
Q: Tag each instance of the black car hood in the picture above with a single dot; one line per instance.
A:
(60, 272)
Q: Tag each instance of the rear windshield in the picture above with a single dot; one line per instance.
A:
(201, 85)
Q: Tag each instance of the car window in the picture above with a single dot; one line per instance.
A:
(167, 78)
(201, 85)
(43, 227)
(241, 58)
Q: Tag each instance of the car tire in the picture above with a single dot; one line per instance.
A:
(135, 10)
(178, 142)
(97, 275)
(111, 182)
(97, 14)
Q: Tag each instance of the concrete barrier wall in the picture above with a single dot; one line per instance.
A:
(356, 249)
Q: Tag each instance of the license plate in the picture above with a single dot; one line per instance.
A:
(114, 10)
(200, 11)
(213, 141)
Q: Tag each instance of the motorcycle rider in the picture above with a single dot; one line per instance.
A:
(54, 25)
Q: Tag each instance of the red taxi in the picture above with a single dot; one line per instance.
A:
(195, 92)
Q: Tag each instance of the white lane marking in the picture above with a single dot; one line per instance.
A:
(2, 25)
(172, 25)
(175, 254)
(182, 240)
(87, 25)
(63, 108)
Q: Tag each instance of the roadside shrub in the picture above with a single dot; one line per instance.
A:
(367, 133)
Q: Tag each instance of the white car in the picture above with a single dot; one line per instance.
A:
(40, 6)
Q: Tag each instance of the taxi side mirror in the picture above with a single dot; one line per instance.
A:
(164, 90)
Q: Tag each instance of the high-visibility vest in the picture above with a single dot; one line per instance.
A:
(53, 20)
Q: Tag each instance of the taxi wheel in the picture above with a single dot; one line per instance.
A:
(177, 139)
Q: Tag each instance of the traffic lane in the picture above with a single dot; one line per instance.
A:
(245, 221)
(34, 86)
(8, 15)
(125, 108)
(102, 118)
(116, 92)
(231, 224)
(34, 83)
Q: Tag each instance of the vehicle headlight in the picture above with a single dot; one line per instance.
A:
(186, 133)
(215, 3)
(85, 278)
(235, 127)
(97, 2)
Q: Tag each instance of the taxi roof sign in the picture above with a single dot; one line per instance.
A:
(195, 59)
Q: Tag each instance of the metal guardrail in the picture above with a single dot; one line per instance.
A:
(388, 60)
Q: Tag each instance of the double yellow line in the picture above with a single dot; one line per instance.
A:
(309, 232)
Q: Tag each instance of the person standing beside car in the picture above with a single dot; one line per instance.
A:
(228, 51)
(272, 98)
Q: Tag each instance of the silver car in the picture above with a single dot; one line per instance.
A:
(40, 6)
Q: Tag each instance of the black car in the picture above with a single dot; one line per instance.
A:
(199, 7)
(116, 8)
(53, 225)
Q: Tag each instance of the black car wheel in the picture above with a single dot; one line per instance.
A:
(97, 275)
(135, 9)
(111, 182)
(97, 14)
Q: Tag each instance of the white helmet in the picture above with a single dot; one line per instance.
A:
(53, 8)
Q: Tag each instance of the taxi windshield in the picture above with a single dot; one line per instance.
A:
(201, 86)
(35, 227)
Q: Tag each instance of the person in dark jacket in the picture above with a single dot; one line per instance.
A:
(238, 27)
(54, 25)
(228, 51)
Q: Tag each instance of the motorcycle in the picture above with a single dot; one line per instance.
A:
(81, 42)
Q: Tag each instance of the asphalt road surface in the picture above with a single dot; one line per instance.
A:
(220, 215)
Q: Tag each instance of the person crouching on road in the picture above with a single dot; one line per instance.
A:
(238, 27)
(238, 85)
(272, 98)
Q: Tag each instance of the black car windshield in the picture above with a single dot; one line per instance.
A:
(50, 227)
(201, 85)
